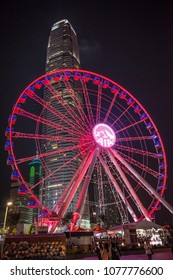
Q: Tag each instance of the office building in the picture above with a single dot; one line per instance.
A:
(62, 53)
(20, 203)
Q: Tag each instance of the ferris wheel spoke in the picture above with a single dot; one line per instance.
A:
(137, 151)
(118, 189)
(142, 180)
(46, 122)
(77, 104)
(88, 104)
(122, 114)
(68, 189)
(128, 185)
(17, 134)
(44, 155)
(111, 106)
(56, 170)
(39, 204)
(65, 105)
(131, 160)
(53, 110)
(138, 183)
(131, 139)
(72, 93)
(99, 95)
(129, 126)
(29, 194)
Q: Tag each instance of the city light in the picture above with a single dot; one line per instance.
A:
(6, 213)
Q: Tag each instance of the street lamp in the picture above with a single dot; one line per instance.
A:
(2, 239)
(6, 212)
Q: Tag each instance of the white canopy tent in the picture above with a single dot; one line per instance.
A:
(146, 225)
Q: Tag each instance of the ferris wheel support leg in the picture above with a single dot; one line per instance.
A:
(118, 189)
(82, 198)
(69, 186)
(127, 183)
(69, 197)
(75, 187)
(142, 180)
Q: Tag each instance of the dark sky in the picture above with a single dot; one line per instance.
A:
(130, 42)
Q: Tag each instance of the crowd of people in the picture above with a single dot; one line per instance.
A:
(108, 250)
(30, 250)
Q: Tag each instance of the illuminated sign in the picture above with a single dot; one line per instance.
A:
(104, 135)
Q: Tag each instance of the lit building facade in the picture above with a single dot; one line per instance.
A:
(103, 208)
(35, 170)
(62, 50)
(20, 202)
(62, 53)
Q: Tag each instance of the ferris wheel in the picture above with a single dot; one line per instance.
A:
(86, 129)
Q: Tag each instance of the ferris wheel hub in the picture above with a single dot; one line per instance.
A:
(104, 135)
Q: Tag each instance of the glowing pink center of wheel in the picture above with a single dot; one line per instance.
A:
(104, 135)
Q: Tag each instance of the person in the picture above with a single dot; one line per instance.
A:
(148, 250)
(97, 250)
(105, 253)
(114, 251)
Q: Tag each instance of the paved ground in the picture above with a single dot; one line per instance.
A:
(156, 256)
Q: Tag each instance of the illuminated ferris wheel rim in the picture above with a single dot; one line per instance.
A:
(105, 84)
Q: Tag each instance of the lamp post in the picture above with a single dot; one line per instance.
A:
(6, 213)
(2, 239)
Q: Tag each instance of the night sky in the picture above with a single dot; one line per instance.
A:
(130, 42)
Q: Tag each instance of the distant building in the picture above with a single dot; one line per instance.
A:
(35, 170)
(62, 49)
(20, 202)
(103, 207)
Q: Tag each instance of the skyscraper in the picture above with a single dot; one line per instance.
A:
(62, 50)
(62, 53)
